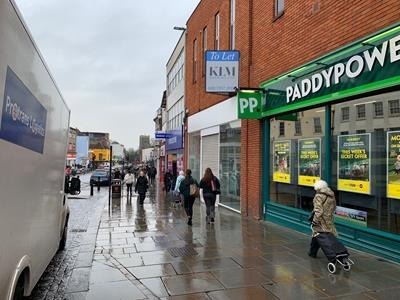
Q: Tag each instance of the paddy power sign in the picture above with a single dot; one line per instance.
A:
(359, 68)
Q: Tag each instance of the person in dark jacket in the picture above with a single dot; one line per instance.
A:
(168, 181)
(142, 184)
(188, 197)
(211, 188)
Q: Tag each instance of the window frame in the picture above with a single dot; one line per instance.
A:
(317, 125)
(217, 35)
(342, 109)
(395, 114)
(381, 110)
(232, 22)
(281, 129)
(194, 61)
(358, 110)
(279, 13)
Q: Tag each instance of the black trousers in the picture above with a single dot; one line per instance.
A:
(142, 196)
(314, 247)
(209, 199)
(188, 205)
(129, 189)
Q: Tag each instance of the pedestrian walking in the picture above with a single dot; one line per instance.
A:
(117, 174)
(141, 187)
(178, 182)
(168, 181)
(190, 191)
(210, 186)
(321, 217)
(129, 179)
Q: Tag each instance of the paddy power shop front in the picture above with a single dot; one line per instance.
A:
(338, 118)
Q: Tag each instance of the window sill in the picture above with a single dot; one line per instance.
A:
(277, 17)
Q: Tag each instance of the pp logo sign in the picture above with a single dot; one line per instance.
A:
(249, 105)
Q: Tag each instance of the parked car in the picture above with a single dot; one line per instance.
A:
(102, 174)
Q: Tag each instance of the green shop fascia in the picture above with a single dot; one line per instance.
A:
(367, 67)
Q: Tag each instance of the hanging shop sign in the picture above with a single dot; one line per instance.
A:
(350, 215)
(250, 104)
(309, 161)
(281, 152)
(222, 71)
(354, 163)
(393, 164)
(359, 68)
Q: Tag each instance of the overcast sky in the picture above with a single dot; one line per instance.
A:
(108, 57)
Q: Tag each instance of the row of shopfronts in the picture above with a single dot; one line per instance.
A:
(335, 118)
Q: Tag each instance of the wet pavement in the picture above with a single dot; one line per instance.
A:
(149, 252)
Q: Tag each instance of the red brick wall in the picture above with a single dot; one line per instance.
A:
(269, 47)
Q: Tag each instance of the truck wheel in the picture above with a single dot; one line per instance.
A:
(19, 290)
(63, 240)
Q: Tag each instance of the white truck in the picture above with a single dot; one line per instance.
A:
(34, 123)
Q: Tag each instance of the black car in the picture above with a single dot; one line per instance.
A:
(101, 174)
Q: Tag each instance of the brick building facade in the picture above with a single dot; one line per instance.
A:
(270, 46)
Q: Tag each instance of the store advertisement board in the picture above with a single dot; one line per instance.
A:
(350, 215)
(354, 163)
(309, 167)
(281, 161)
(393, 165)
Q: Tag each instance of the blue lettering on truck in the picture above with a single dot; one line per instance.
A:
(23, 120)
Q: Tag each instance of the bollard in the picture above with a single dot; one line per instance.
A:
(98, 184)
(91, 189)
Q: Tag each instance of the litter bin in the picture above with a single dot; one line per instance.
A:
(116, 188)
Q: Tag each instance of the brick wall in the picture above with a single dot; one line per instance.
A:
(269, 47)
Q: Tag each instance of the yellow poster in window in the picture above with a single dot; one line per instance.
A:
(309, 161)
(354, 163)
(393, 165)
(281, 161)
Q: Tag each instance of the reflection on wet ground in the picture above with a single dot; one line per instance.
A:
(149, 252)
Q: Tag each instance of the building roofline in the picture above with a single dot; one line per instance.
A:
(176, 46)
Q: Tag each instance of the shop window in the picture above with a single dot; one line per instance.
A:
(360, 111)
(378, 109)
(194, 154)
(296, 160)
(279, 8)
(297, 127)
(394, 108)
(281, 128)
(364, 159)
(317, 125)
(229, 161)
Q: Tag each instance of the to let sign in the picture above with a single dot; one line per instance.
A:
(250, 104)
(222, 71)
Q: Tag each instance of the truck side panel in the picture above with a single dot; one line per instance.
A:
(31, 177)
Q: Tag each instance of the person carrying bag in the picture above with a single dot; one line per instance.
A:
(211, 188)
(189, 188)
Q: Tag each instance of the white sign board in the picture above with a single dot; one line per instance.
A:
(222, 71)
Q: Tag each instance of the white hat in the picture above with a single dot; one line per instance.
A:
(320, 184)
